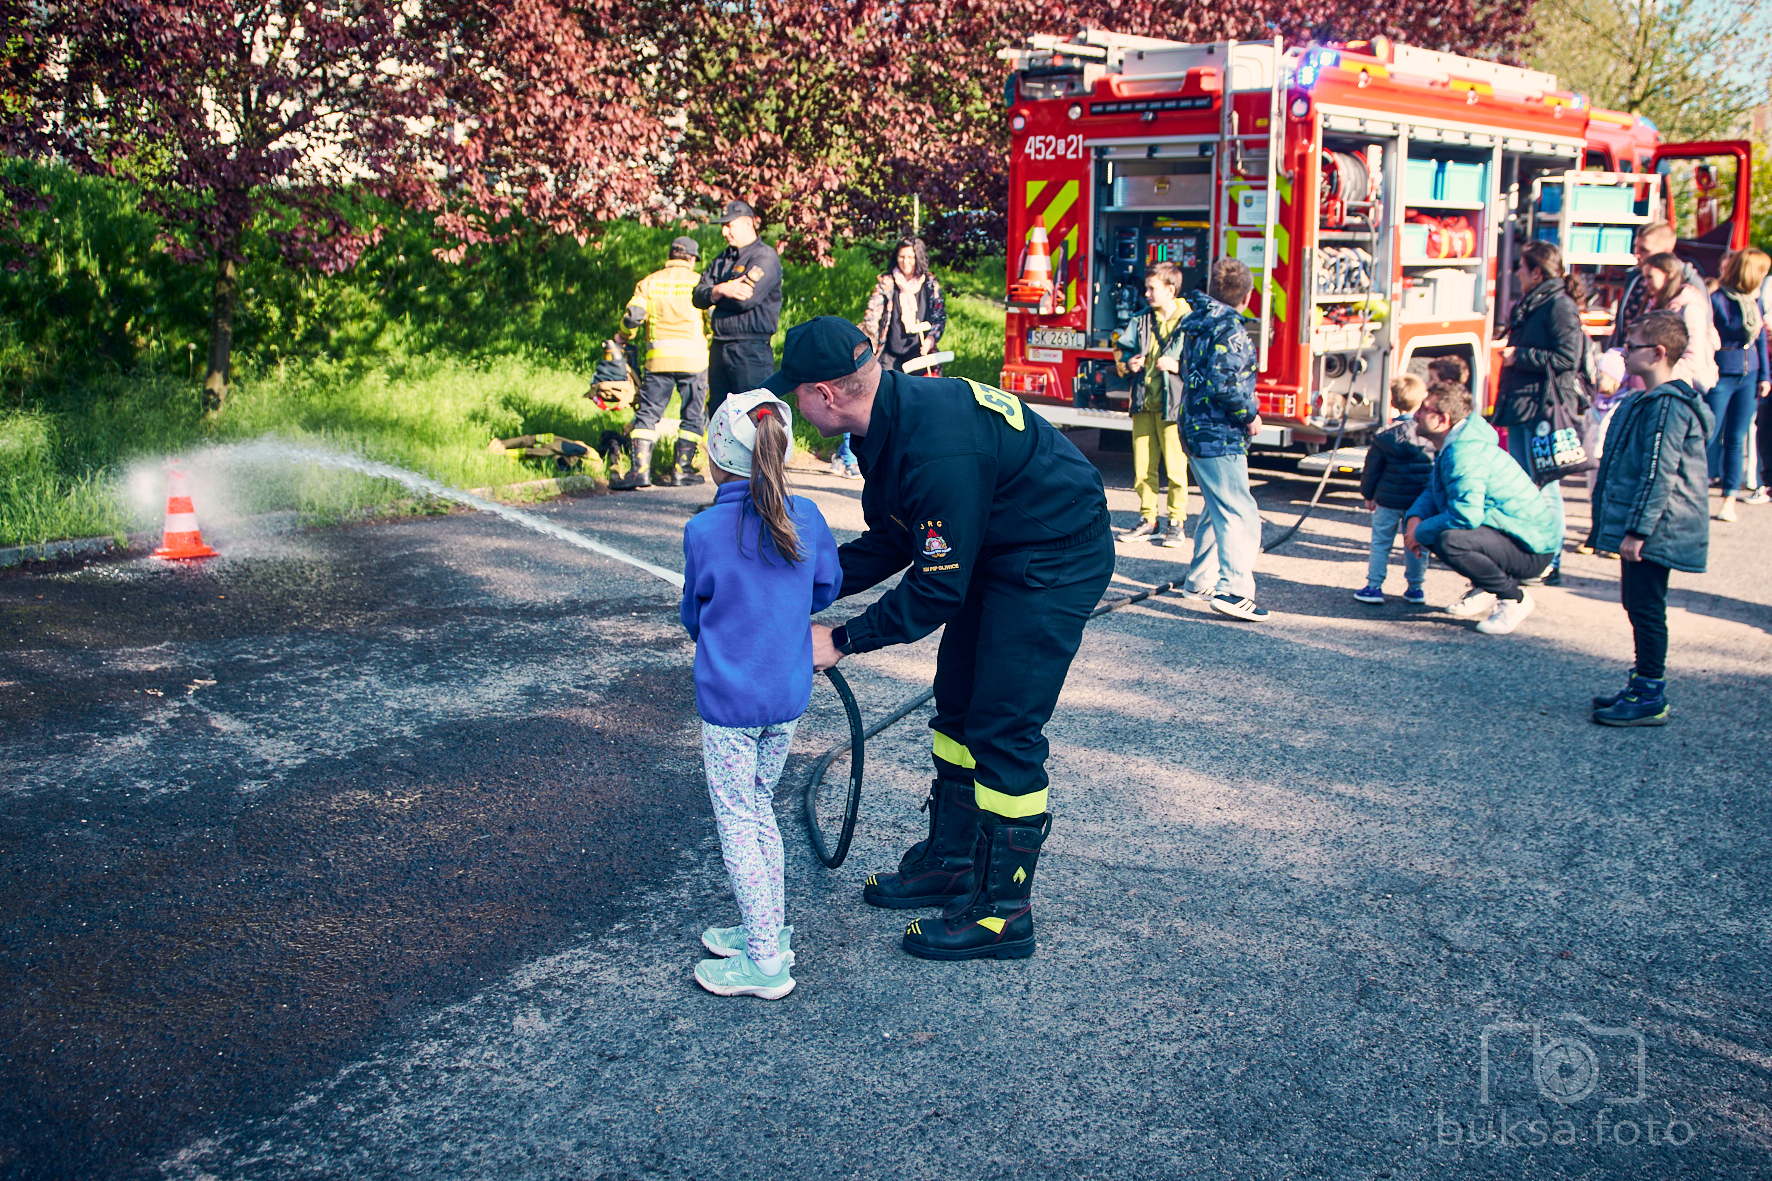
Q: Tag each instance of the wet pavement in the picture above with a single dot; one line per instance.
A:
(381, 851)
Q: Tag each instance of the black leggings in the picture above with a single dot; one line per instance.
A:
(1642, 587)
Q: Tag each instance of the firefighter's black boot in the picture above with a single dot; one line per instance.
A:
(939, 870)
(996, 919)
(686, 473)
(639, 473)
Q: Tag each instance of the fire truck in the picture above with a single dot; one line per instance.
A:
(1377, 191)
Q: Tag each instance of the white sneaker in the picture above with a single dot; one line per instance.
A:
(1727, 511)
(1759, 497)
(1475, 602)
(1507, 615)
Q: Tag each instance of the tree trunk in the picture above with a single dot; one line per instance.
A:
(221, 336)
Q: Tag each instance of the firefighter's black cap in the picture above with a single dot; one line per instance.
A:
(734, 211)
(822, 349)
(688, 246)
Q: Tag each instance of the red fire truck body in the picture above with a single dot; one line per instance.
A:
(1376, 192)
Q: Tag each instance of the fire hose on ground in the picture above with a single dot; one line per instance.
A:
(858, 738)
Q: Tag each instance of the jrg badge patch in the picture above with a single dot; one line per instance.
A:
(934, 544)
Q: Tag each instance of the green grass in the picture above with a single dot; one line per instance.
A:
(404, 359)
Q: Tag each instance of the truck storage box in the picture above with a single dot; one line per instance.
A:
(1583, 240)
(1617, 240)
(1185, 191)
(1414, 241)
(1609, 199)
(1422, 181)
(1467, 184)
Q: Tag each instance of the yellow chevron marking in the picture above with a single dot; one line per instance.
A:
(1070, 298)
(1282, 244)
(1021, 875)
(1277, 300)
(993, 924)
(1070, 243)
(1285, 187)
(1034, 187)
(1061, 204)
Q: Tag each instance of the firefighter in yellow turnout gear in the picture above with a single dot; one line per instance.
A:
(676, 358)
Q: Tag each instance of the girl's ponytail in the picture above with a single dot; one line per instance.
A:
(769, 484)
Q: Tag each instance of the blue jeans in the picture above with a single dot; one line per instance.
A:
(1552, 492)
(1732, 400)
(1227, 534)
(843, 452)
(1386, 524)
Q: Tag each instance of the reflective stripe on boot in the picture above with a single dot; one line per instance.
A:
(997, 918)
(936, 871)
(640, 456)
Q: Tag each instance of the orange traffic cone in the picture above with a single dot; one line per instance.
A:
(1035, 289)
(183, 540)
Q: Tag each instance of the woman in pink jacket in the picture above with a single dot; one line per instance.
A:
(1665, 276)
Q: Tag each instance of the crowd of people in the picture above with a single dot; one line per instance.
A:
(1003, 526)
(1651, 418)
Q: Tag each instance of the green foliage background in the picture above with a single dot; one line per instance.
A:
(405, 358)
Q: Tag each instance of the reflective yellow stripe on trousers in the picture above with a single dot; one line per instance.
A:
(990, 799)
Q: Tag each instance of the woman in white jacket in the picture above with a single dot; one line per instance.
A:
(1665, 276)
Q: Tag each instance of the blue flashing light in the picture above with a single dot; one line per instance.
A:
(1311, 68)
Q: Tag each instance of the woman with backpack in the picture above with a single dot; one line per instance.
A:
(1542, 363)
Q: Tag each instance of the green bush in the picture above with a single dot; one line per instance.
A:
(404, 358)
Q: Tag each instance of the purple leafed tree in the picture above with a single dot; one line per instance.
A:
(231, 115)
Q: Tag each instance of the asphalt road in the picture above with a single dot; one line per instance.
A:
(382, 851)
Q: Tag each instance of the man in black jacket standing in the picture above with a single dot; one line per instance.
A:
(1004, 526)
(743, 287)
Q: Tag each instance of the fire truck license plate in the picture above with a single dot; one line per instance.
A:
(1056, 338)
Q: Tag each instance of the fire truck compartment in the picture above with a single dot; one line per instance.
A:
(1379, 193)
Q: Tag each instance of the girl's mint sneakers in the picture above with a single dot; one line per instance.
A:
(730, 941)
(737, 975)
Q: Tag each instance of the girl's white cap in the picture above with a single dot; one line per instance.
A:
(732, 436)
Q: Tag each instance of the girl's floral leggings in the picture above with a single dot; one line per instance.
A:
(742, 765)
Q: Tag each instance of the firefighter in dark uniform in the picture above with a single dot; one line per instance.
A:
(743, 287)
(1004, 527)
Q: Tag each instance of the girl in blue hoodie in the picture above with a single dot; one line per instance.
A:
(757, 565)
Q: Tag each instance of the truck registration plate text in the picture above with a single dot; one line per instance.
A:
(1056, 338)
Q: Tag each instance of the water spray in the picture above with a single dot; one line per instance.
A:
(274, 451)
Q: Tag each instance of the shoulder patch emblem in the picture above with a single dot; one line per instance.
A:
(934, 544)
(992, 398)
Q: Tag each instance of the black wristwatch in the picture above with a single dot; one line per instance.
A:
(840, 639)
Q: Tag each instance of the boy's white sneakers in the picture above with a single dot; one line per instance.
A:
(1474, 603)
(1507, 615)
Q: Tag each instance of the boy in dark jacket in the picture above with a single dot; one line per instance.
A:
(1652, 506)
(1398, 464)
(1219, 417)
